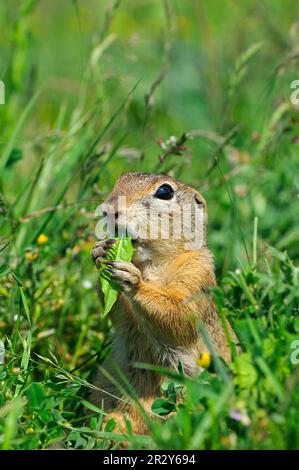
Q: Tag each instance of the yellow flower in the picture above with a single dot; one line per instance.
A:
(30, 430)
(204, 360)
(42, 238)
(31, 255)
(60, 303)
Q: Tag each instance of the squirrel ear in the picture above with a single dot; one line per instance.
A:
(200, 200)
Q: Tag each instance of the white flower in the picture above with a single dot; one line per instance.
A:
(172, 140)
(87, 284)
(241, 416)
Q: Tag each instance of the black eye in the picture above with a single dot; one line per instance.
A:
(165, 192)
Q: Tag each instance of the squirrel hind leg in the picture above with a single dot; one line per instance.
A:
(133, 417)
(137, 425)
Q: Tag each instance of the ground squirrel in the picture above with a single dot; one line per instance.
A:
(164, 290)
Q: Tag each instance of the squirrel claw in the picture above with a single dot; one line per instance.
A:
(100, 251)
(125, 274)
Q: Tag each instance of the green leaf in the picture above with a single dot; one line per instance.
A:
(171, 389)
(12, 413)
(15, 156)
(296, 325)
(3, 374)
(25, 305)
(246, 374)
(5, 155)
(4, 269)
(110, 425)
(161, 406)
(123, 251)
(36, 396)
(92, 407)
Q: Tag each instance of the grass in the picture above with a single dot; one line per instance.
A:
(87, 97)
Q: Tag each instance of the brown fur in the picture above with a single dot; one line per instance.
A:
(156, 316)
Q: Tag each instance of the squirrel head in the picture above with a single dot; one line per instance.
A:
(161, 214)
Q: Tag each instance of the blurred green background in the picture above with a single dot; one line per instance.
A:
(96, 88)
(228, 68)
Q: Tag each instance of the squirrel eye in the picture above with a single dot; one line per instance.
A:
(164, 192)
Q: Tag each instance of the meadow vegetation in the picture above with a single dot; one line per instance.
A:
(97, 88)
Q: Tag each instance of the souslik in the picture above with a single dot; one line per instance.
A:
(164, 295)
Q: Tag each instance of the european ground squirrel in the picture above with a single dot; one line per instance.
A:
(164, 290)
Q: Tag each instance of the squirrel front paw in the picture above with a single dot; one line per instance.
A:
(99, 252)
(126, 275)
